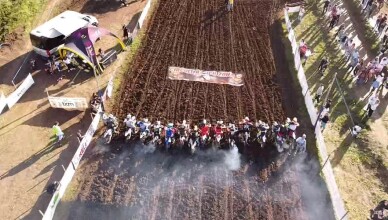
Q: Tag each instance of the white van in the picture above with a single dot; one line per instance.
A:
(48, 37)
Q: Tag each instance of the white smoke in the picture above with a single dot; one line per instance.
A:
(232, 159)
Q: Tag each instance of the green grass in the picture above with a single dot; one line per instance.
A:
(18, 14)
(355, 161)
(369, 37)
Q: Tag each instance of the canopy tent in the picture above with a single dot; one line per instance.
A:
(81, 43)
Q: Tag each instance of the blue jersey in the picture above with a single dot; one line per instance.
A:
(142, 126)
(169, 133)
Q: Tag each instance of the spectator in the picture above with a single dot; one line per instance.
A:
(58, 133)
(371, 9)
(340, 32)
(79, 136)
(324, 121)
(378, 19)
(373, 102)
(325, 6)
(381, 22)
(378, 212)
(358, 67)
(230, 5)
(301, 144)
(301, 13)
(354, 60)
(323, 65)
(355, 130)
(125, 32)
(319, 93)
(378, 81)
(124, 2)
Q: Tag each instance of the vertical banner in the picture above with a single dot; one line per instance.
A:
(19, 92)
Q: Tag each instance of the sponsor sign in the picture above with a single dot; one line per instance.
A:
(19, 92)
(3, 102)
(218, 77)
(86, 141)
(64, 102)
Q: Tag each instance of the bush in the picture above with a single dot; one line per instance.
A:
(17, 13)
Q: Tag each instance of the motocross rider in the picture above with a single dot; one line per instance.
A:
(169, 134)
(291, 126)
(262, 127)
(157, 129)
(218, 128)
(246, 124)
(130, 122)
(144, 125)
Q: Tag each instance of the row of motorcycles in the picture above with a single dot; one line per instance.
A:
(203, 134)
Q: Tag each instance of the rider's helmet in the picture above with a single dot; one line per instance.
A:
(145, 120)
(111, 116)
(184, 122)
(170, 125)
(158, 122)
(275, 123)
(133, 118)
(104, 117)
(220, 122)
(204, 121)
(129, 116)
(304, 136)
(195, 128)
(295, 120)
(288, 120)
(246, 119)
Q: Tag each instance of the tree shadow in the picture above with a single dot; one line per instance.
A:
(69, 146)
(103, 6)
(341, 150)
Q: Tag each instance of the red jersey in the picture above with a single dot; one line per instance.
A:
(218, 130)
(204, 130)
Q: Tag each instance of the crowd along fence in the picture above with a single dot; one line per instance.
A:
(338, 204)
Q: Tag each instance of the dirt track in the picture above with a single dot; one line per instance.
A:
(135, 184)
(201, 34)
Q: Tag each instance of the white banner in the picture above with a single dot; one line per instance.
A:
(85, 141)
(144, 13)
(64, 102)
(3, 102)
(18, 93)
(70, 171)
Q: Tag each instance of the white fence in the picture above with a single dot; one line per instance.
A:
(338, 204)
(70, 171)
(14, 97)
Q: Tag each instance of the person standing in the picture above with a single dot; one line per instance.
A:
(358, 67)
(324, 121)
(378, 81)
(323, 65)
(373, 107)
(325, 6)
(58, 133)
(301, 13)
(301, 144)
(381, 22)
(230, 5)
(319, 93)
(125, 32)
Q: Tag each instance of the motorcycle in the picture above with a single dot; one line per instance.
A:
(193, 141)
(129, 134)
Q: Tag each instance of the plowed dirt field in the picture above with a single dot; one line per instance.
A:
(138, 182)
(201, 34)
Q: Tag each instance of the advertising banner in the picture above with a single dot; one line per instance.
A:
(218, 77)
(68, 103)
(19, 92)
(86, 140)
